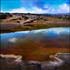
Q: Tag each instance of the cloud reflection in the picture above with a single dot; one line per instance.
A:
(13, 40)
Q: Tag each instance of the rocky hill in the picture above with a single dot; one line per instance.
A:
(11, 22)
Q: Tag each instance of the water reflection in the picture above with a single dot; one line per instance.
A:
(44, 35)
(34, 45)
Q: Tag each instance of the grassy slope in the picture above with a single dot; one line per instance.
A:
(11, 25)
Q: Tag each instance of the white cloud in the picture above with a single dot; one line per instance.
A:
(19, 10)
(1, 11)
(24, 10)
(64, 8)
(37, 10)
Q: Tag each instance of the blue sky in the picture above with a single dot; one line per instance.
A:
(35, 6)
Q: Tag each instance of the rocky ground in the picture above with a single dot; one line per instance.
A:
(19, 21)
(9, 63)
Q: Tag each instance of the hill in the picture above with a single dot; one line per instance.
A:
(11, 22)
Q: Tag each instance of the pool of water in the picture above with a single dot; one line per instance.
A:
(58, 37)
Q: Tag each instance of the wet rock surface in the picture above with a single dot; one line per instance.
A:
(12, 64)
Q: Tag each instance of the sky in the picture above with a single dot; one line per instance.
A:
(35, 6)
